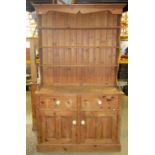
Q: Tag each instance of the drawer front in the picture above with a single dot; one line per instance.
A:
(58, 102)
(100, 103)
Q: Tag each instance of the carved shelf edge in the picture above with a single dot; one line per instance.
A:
(76, 8)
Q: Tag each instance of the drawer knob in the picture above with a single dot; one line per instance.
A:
(74, 122)
(99, 102)
(57, 102)
(110, 98)
(69, 102)
(42, 102)
(83, 122)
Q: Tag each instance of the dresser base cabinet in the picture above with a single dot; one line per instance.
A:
(78, 121)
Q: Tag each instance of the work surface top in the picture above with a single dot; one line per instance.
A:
(78, 90)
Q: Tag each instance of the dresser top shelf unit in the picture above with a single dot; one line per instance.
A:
(78, 45)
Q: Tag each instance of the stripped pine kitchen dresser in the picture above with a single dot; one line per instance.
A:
(77, 105)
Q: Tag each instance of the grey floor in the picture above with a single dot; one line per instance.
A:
(31, 136)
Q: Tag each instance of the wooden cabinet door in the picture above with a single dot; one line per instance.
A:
(58, 127)
(98, 127)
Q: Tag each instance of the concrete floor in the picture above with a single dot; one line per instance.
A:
(31, 140)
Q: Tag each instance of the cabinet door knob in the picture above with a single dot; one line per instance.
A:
(99, 102)
(57, 102)
(83, 122)
(74, 122)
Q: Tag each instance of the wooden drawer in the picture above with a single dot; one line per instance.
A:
(100, 103)
(58, 102)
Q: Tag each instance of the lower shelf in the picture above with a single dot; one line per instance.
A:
(78, 147)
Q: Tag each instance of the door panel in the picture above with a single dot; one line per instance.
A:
(98, 127)
(51, 127)
(58, 127)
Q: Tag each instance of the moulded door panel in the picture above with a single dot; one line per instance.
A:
(58, 127)
(98, 127)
